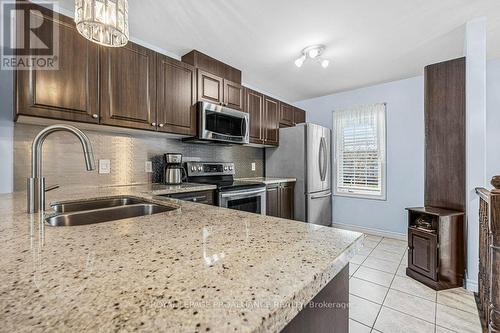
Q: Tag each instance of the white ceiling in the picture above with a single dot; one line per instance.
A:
(368, 41)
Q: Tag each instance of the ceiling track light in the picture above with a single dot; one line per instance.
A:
(313, 52)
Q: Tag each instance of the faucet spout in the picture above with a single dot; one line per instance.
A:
(36, 183)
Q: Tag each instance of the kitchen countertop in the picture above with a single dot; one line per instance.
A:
(198, 268)
(269, 180)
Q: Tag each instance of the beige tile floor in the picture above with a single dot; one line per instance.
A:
(383, 299)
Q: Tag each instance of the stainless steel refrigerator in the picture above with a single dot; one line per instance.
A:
(305, 153)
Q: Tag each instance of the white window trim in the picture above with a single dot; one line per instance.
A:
(383, 195)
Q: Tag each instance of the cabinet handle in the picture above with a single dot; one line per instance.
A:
(95, 116)
(161, 125)
(153, 124)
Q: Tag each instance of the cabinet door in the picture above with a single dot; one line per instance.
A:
(176, 95)
(233, 95)
(299, 116)
(271, 123)
(210, 87)
(286, 200)
(286, 114)
(128, 86)
(254, 105)
(70, 92)
(273, 200)
(422, 253)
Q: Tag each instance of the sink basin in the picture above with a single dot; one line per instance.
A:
(103, 210)
(77, 206)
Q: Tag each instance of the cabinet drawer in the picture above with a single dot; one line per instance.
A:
(422, 253)
(205, 197)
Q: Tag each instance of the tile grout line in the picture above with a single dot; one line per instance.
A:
(380, 310)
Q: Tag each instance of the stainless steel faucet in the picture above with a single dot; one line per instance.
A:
(36, 183)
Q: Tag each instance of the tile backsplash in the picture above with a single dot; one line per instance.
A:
(63, 161)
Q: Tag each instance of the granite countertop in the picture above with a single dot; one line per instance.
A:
(270, 180)
(198, 268)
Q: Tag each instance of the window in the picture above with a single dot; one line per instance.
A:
(360, 146)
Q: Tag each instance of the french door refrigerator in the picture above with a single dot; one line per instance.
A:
(305, 153)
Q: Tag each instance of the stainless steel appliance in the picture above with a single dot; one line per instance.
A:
(173, 168)
(305, 153)
(219, 123)
(246, 196)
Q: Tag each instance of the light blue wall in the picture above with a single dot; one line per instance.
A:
(492, 119)
(405, 152)
(6, 131)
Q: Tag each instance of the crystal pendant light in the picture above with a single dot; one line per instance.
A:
(104, 22)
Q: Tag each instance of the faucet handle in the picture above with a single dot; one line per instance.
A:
(51, 187)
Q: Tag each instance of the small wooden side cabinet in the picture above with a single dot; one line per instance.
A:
(436, 247)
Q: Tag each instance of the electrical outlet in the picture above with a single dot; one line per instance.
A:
(104, 166)
(148, 167)
(253, 166)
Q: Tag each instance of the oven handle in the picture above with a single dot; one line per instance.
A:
(245, 193)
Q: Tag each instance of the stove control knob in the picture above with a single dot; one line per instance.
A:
(193, 168)
(225, 168)
(200, 168)
(231, 168)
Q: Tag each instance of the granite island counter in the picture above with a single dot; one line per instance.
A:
(195, 269)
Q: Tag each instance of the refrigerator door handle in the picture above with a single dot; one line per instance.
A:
(323, 161)
(322, 196)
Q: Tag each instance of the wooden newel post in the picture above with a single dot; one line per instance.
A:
(494, 255)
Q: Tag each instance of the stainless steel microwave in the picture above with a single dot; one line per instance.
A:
(219, 123)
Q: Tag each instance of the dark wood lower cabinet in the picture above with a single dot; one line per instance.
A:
(204, 197)
(328, 311)
(279, 200)
(422, 252)
(436, 247)
(286, 200)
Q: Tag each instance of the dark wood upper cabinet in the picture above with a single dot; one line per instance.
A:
(299, 116)
(286, 114)
(71, 91)
(128, 86)
(211, 65)
(254, 105)
(444, 114)
(271, 121)
(210, 87)
(176, 96)
(233, 95)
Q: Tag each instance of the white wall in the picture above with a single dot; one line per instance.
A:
(492, 119)
(405, 152)
(475, 52)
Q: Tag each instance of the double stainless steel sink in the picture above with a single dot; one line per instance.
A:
(72, 213)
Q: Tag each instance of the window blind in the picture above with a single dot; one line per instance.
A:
(360, 151)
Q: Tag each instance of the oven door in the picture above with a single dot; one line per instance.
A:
(253, 200)
(219, 123)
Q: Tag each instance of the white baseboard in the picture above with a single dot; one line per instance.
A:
(472, 285)
(371, 231)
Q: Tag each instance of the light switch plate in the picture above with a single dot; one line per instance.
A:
(253, 166)
(148, 166)
(104, 166)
